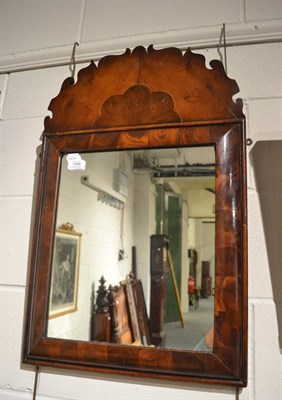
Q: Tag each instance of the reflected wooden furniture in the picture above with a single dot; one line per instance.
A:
(120, 328)
(159, 270)
(101, 327)
(120, 314)
(100, 318)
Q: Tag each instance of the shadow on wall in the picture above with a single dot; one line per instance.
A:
(267, 163)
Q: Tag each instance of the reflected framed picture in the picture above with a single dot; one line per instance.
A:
(132, 310)
(137, 311)
(65, 272)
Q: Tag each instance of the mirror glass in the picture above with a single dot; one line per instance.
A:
(109, 206)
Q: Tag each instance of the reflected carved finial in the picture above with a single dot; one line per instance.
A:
(131, 277)
(67, 227)
(102, 303)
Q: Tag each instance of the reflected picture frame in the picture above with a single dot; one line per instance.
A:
(65, 273)
(132, 310)
(139, 320)
(142, 315)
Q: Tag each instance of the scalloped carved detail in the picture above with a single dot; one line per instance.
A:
(137, 106)
(199, 93)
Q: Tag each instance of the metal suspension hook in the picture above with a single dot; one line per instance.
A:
(73, 62)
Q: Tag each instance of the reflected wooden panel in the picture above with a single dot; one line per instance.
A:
(120, 330)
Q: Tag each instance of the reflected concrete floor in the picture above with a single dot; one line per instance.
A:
(197, 323)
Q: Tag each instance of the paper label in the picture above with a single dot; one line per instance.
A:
(75, 162)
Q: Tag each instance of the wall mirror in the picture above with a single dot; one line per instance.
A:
(139, 263)
(166, 191)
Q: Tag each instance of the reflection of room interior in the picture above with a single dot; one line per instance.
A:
(118, 204)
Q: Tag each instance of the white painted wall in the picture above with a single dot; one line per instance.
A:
(144, 227)
(43, 32)
(202, 238)
(201, 203)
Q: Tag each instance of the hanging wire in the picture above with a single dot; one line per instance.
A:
(222, 43)
(35, 387)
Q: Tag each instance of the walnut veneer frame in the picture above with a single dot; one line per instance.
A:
(142, 99)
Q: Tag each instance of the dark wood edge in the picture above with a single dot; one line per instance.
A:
(144, 127)
(244, 246)
(100, 371)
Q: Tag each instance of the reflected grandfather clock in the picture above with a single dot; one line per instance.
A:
(159, 269)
